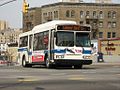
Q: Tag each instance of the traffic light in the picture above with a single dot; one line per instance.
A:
(25, 7)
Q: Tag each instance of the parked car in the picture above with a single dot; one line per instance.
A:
(3, 61)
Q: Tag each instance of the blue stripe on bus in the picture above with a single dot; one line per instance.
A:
(65, 50)
(56, 51)
(29, 53)
(86, 51)
(22, 49)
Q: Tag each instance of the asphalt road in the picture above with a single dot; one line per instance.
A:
(92, 77)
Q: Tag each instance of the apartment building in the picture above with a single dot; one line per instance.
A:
(3, 25)
(8, 36)
(103, 17)
(32, 18)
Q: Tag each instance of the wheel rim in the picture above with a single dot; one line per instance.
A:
(47, 63)
(24, 63)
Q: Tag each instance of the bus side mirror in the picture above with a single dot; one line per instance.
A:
(92, 45)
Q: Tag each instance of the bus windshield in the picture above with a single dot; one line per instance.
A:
(69, 40)
(82, 40)
(65, 39)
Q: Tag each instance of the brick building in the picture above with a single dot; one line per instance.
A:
(103, 17)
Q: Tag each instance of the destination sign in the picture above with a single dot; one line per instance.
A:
(73, 27)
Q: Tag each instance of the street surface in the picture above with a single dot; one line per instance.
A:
(92, 77)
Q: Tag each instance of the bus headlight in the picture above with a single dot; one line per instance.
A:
(86, 57)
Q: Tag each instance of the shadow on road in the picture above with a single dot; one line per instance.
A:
(66, 68)
(9, 85)
(39, 88)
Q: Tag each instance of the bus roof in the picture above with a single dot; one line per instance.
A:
(25, 33)
(51, 25)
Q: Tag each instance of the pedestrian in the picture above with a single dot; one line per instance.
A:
(100, 57)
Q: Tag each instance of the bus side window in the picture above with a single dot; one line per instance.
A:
(30, 41)
(24, 41)
(35, 42)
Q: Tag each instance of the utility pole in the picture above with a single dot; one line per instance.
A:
(7, 2)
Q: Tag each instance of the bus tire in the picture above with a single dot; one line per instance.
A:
(47, 62)
(24, 63)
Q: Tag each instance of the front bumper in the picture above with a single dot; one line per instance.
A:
(72, 62)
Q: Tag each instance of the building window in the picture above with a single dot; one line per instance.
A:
(51, 15)
(31, 17)
(81, 22)
(113, 34)
(67, 13)
(100, 24)
(81, 14)
(109, 14)
(109, 24)
(72, 13)
(44, 15)
(87, 14)
(87, 21)
(114, 14)
(101, 14)
(113, 24)
(100, 34)
(109, 35)
(94, 14)
(55, 14)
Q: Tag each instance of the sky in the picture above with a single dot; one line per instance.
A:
(12, 12)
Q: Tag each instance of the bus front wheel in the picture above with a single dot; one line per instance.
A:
(24, 64)
(48, 65)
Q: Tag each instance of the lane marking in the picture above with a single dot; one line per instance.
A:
(57, 74)
(76, 75)
(76, 78)
(27, 80)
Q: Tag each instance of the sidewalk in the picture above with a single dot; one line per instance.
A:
(106, 63)
(107, 60)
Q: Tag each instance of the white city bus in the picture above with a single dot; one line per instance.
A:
(56, 43)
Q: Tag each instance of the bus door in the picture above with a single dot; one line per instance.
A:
(30, 48)
(51, 43)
